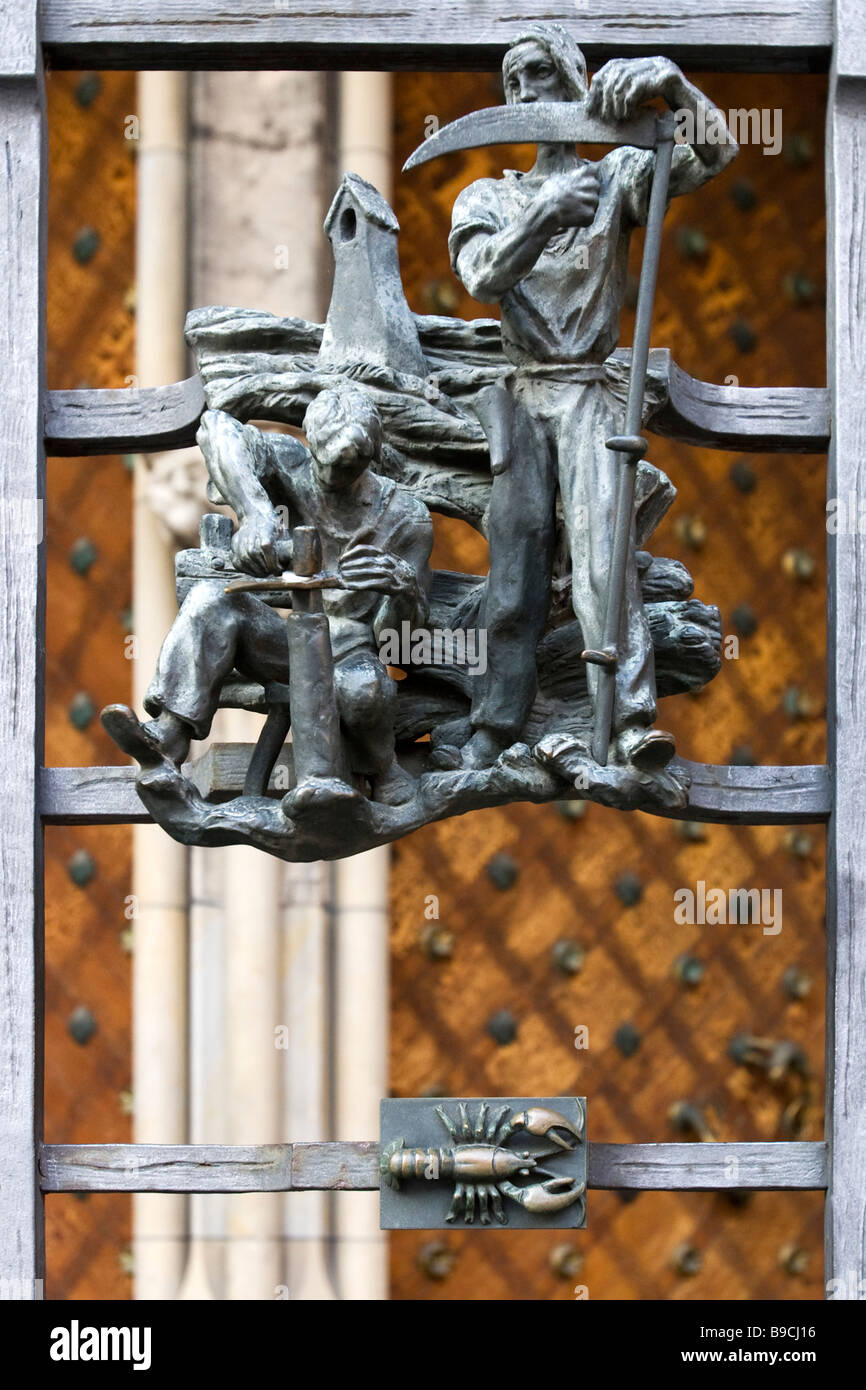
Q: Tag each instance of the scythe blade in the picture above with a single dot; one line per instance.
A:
(535, 123)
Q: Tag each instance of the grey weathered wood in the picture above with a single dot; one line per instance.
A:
(208, 1167)
(720, 794)
(708, 1167)
(136, 420)
(765, 35)
(335, 1167)
(355, 1167)
(19, 40)
(90, 796)
(767, 419)
(22, 478)
(723, 794)
(846, 576)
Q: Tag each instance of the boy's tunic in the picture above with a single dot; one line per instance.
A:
(215, 632)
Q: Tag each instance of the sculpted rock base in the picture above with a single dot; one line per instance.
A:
(325, 818)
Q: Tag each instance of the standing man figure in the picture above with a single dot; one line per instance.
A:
(551, 247)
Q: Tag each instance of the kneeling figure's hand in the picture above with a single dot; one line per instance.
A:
(367, 567)
(254, 545)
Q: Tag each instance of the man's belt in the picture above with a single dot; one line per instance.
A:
(569, 372)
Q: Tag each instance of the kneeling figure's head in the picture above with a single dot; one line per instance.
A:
(344, 432)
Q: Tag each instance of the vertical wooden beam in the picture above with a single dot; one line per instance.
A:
(845, 1270)
(22, 473)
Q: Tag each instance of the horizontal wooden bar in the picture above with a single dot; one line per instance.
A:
(90, 796)
(355, 1167)
(208, 1167)
(719, 794)
(763, 36)
(766, 419)
(107, 795)
(700, 1167)
(722, 794)
(131, 420)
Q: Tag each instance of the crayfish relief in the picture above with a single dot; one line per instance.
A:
(483, 1165)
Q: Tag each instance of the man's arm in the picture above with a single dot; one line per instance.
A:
(625, 84)
(490, 264)
(237, 459)
(403, 579)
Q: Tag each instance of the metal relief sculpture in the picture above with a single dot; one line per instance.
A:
(497, 1150)
(540, 681)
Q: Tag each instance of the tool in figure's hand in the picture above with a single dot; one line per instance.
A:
(287, 580)
(536, 123)
(312, 708)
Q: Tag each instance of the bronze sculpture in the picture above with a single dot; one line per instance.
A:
(551, 246)
(376, 540)
(482, 1165)
(515, 428)
(532, 1152)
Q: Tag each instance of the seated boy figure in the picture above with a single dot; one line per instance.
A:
(378, 537)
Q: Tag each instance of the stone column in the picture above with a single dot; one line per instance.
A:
(361, 883)
(159, 865)
(260, 183)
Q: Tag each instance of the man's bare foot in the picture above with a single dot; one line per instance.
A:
(394, 787)
(482, 750)
(649, 750)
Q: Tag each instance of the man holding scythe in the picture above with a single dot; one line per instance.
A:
(551, 247)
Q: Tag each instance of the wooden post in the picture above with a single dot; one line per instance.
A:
(22, 490)
(845, 1269)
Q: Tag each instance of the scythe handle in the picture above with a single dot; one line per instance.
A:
(606, 688)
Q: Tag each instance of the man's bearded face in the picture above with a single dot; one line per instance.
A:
(532, 75)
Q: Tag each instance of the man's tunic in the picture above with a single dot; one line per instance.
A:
(559, 324)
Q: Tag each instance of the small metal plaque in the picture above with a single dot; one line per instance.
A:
(483, 1162)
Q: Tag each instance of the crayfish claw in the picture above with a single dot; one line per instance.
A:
(544, 1123)
(545, 1198)
(556, 1184)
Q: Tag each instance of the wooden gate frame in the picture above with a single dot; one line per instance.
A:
(772, 36)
